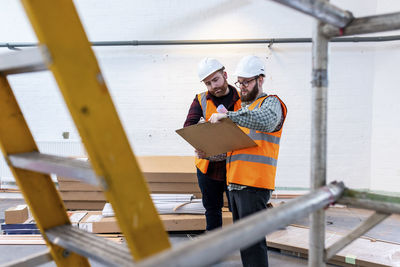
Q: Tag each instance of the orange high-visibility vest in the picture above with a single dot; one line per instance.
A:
(256, 166)
(208, 107)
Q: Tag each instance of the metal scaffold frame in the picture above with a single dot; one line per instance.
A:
(69, 246)
(331, 22)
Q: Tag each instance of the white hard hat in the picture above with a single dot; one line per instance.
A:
(250, 66)
(207, 66)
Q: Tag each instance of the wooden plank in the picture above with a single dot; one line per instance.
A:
(167, 164)
(77, 186)
(38, 239)
(82, 196)
(170, 177)
(173, 177)
(364, 252)
(172, 180)
(190, 222)
(178, 188)
(84, 205)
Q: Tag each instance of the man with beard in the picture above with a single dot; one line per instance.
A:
(211, 172)
(251, 171)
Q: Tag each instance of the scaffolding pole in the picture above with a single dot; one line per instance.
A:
(370, 24)
(216, 245)
(321, 10)
(371, 201)
(318, 141)
(268, 41)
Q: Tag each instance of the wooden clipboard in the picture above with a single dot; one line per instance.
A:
(216, 138)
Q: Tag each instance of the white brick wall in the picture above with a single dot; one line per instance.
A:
(153, 86)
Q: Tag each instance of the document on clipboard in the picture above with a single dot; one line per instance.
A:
(216, 138)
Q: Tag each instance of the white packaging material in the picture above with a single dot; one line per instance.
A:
(169, 204)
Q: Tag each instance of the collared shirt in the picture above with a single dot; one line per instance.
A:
(216, 169)
(268, 118)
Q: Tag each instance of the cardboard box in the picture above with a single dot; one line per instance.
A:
(94, 222)
(18, 214)
(76, 216)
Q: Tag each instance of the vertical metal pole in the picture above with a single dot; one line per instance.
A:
(318, 141)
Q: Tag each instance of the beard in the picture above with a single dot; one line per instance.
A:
(251, 96)
(223, 88)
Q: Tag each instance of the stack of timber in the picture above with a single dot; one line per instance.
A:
(96, 222)
(164, 174)
(80, 196)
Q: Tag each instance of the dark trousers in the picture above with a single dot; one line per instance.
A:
(213, 199)
(243, 203)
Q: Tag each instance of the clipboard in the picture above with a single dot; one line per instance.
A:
(216, 138)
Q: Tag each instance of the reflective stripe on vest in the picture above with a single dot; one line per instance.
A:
(203, 103)
(254, 158)
(264, 137)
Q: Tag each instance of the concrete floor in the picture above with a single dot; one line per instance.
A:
(13, 252)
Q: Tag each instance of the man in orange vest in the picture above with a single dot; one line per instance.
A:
(251, 171)
(211, 172)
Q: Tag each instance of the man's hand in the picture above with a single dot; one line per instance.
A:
(202, 120)
(200, 154)
(215, 117)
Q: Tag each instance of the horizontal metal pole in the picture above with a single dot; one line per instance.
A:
(383, 207)
(221, 41)
(61, 166)
(321, 10)
(363, 25)
(373, 220)
(372, 201)
(210, 248)
(90, 245)
(31, 260)
(22, 61)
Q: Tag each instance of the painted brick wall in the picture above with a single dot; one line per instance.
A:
(153, 86)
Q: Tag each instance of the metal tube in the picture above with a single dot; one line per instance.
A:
(373, 220)
(221, 41)
(210, 248)
(61, 166)
(31, 260)
(318, 141)
(321, 10)
(379, 206)
(370, 24)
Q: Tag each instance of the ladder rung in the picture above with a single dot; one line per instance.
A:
(90, 245)
(50, 164)
(22, 61)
